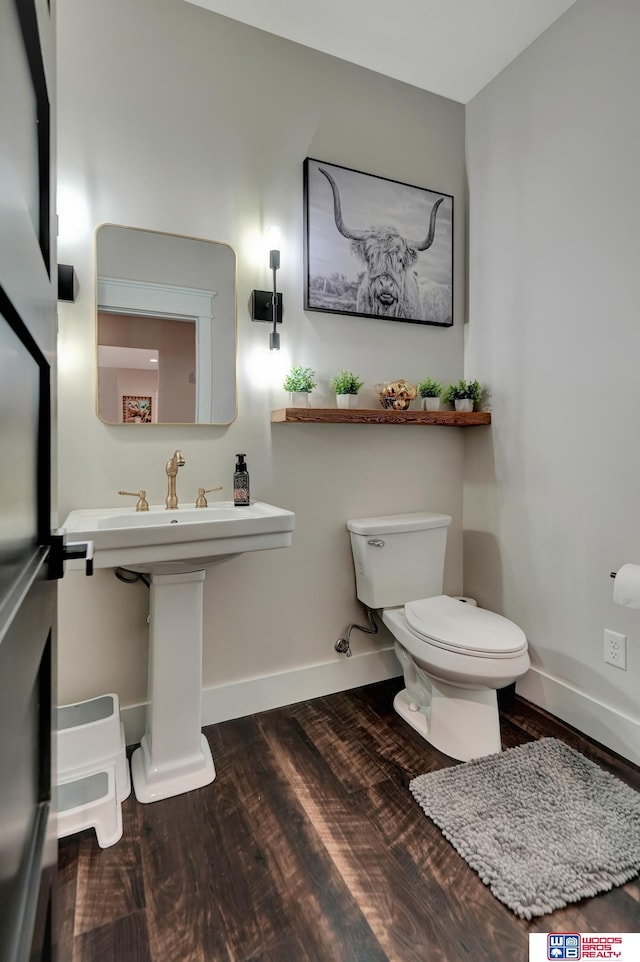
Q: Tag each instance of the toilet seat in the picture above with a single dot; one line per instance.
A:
(446, 623)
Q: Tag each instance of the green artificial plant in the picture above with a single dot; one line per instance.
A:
(463, 389)
(429, 388)
(346, 382)
(300, 379)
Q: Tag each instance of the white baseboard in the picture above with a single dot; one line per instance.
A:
(236, 700)
(617, 731)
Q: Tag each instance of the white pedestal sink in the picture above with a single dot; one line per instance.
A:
(174, 547)
(174, 755)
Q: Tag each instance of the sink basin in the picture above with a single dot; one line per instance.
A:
(184, 539)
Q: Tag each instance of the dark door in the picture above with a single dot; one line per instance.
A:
(27, 376)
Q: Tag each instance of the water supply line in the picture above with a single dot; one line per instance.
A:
(131, 577)
(342, 644)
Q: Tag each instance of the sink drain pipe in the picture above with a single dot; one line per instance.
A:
(342, 644)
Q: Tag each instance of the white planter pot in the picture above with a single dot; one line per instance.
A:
(299, 399)
(431, 403)
(464, 404)
(347, 400)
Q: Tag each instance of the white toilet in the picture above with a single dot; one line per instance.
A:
(454, 655)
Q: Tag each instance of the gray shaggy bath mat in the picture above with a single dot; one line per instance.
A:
(541, 824)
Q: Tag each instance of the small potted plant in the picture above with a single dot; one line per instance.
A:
(430, 391)
(463, 395)
(345, 386)
(300, 382)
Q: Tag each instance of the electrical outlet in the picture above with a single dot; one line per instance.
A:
(615, 649)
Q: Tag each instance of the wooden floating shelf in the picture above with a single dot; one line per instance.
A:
(456, 419)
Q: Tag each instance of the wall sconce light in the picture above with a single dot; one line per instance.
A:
(67, 283)
(267, 305)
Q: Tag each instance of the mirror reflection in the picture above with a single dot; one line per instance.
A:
(166, 328)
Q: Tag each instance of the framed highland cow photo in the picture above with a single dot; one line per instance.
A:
(376, 247)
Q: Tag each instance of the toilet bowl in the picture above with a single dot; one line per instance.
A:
(454, 656)
(451, 680)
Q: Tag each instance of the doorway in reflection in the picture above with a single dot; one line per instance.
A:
(142, 357)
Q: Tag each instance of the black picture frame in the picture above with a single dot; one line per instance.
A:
(376, 247)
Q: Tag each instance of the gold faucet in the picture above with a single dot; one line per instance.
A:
(143, 504)
(201, 501)
(175, 461)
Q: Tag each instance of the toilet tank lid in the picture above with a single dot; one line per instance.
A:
(394, 523)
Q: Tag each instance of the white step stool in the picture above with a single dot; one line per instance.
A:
(92, 769)
(90, 802)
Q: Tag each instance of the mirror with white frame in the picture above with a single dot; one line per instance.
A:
(166, 328)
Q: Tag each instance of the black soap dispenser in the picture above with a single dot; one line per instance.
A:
(241, 482)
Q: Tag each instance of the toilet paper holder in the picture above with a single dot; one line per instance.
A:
(626, 586)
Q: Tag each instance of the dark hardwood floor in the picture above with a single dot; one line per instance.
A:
(308, 847)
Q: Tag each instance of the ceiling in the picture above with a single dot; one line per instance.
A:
(450, 47)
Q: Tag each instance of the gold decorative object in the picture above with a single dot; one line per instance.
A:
(396, 395)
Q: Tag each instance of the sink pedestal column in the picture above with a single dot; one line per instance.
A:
(174, 756)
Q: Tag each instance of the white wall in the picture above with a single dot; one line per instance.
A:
(172, 118)
(552, 495)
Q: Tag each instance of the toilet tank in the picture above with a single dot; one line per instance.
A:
(398, 557)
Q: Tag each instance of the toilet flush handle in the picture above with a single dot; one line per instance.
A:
(376, 543)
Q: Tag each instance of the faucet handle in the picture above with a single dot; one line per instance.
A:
(143, 504)
(201, 501)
